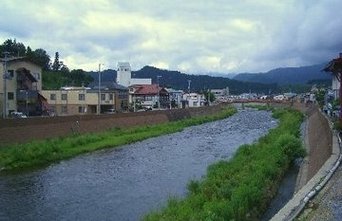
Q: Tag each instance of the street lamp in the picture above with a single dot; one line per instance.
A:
(158, 91)
(99, 97)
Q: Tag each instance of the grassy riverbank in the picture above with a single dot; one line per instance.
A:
(241, 188)
(38, 153)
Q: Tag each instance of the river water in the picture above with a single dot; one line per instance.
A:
(127, 182)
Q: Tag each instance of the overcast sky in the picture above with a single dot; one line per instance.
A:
(193, 36)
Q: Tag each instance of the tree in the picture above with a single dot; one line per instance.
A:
(209, 96)
(64, 68)
(56, 64)
(15, 48)
(78, 77)
(41, 58)
(29, 52)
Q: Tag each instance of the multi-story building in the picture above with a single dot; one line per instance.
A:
(148, 96)
(84, 100)
(124, 76)
(175, 97)
(220, 93)
(335, 67)
(193, 100)
(20, 86)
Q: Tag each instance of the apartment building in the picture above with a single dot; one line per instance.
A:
(20, 87)
(86, 100)
(148, 96)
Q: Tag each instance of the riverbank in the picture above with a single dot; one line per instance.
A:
(38, 153)
(321, 147)
(241, 188)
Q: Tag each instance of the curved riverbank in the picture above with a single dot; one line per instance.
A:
(241, 188)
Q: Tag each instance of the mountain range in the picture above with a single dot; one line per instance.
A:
(268, 82)
(285, 76)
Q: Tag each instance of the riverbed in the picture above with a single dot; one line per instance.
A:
(127, 182)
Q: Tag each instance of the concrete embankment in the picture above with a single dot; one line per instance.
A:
(319, 165)
(24, 130)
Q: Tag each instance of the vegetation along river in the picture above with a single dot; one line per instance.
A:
(125, 183)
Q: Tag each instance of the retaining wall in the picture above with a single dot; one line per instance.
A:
(24, 130)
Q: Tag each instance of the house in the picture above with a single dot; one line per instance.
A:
(220, 94)
(20, 87)
(148, 96)
(176, 97)
(87, 100)
(193, 100)
(335, 67)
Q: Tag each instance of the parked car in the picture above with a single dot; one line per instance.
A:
(16, 114)
(110, 111)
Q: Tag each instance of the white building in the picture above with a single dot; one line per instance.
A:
(124, 76)
(175, 97)
(193, 100)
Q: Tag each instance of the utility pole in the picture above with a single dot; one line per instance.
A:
(209, 97)
(99, 97)
(26, 105)
(5, 77)
(158, 92)
(189, 83)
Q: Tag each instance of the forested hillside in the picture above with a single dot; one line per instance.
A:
(283, 76)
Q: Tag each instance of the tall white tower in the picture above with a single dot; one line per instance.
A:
(124, 74)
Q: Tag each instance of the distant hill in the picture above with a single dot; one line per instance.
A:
(178, 80)
(106, 75)
(283, 76)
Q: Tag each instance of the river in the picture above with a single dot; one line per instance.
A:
(127, 182)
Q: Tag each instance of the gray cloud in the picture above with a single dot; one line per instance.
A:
(193, 36)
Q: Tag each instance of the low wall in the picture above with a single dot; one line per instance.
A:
(24, 130)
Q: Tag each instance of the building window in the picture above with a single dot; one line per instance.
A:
(103, 97)
(81, 109)
(10, 74)
(123, 95)
(81, 97)
(53, 97)
(64, 109)
(10, 95)
(37, 76)
(111, 96)
(64, 97)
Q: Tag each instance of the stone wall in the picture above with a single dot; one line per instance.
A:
(24, 130)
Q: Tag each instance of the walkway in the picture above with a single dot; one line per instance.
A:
(323, 151)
